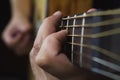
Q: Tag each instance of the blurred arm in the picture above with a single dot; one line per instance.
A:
(21, 7)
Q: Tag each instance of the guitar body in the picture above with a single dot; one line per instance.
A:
(69, 7)
(45, 8)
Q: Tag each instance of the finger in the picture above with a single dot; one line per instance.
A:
(50, 47)
(50, 57)
(48, 26)
(91, 10)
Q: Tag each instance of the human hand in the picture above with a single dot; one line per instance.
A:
(46, 56)
(17, 34)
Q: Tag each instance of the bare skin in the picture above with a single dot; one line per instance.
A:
(17, 34)
(47, 60)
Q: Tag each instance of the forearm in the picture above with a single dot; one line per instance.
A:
(21, 8)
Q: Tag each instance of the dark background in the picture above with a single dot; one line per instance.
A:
(12, 67)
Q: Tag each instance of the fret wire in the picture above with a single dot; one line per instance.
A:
(81, 40)
(72, 47)
(100, 13)
(98, 24)
(61, 26)
(108, 53)
(67, 23)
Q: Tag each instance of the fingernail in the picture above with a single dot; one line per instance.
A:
(57, 13)
(91, 10)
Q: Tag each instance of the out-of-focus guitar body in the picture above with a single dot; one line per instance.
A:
(45, 8)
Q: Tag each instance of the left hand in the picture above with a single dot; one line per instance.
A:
(46, 56)
(17, 34)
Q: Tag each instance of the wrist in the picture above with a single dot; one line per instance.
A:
(17, 14)
(21, 8)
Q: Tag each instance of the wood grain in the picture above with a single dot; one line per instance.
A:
(69, 7)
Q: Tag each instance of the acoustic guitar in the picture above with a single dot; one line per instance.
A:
(93, 42)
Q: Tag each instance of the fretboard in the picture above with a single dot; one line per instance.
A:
(93, 41)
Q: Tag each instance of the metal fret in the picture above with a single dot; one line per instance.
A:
(72, 46)
(67, 23)
(81, 40)
(61, 26)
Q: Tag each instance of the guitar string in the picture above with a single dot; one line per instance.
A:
(98, 35)
(72, 46)
(103, 62)
(73, 35)
(98, 24)
(108, 53)
(101, 13)
(81, 40)
(106, 63)
(115, 31)
(106, 73)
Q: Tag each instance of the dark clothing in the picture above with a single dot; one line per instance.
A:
(11, 65)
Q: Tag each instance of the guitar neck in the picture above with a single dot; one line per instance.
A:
(93, 40)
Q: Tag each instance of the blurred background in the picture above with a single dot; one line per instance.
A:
(15, 67)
